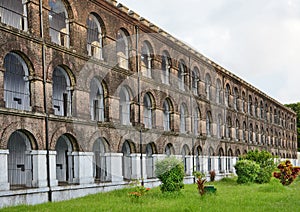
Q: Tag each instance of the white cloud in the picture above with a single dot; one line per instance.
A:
(257, 40)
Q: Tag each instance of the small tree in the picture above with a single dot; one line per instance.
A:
(247, 171)
(170, 171)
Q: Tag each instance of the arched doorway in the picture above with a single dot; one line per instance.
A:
(101, 162)
(150, 150)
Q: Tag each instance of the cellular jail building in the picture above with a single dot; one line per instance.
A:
(92, 95)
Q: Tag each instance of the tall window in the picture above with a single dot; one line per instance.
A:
(122, 49)
(101, 162)
(255, 107)
(166, 67)
(227, 95)
(16, 82)
(127, 149)
(197, 125)
(195, 79)
(208, 124)
(250, 133)
(210, 165)
(243, 102)
(146, 59)
(208, 86)
(58, 23)
(124, 106)
(148, 111)
(62, 95)
(14, 13)
(262, 110)
(199, 165)
(150, 150)
(183, 118)
(221, 161)
(96, 100)
(167, 115)
(185, 157)
(219, 92)
(228, 127)
(94, 37)
(237, 130)
(235, 98)
(250, 105)
(219, 126)
(244, 131)
(181, 75)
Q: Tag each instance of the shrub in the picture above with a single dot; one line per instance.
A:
(170, 171)
(287, 173)
(212, 175)
(266, 162)
(247, 171)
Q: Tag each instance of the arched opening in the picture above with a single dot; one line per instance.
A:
(148, 111)
(227, 95)
(16, 82)
(183, 118)
(58, 23)
(221, 161)
(61, 92)
(101, 163)
(167, 115)
(210, 165)
(199, 159)
(122, 49)
(195, 79)
(150, 150)
(127, 150)
(208, 86)
(169, 150)
(19, 160)
(185, 158)
(64, 160)
(124, 106)
(181, 75)
(166, 67)
(219, 92)
(229, 164)
(96, 100)
(197, 123)
(146, 59)
(94, 37)
(208, 124)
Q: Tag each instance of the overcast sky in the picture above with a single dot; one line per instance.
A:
(257, 40)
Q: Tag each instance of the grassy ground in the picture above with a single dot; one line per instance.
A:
(229, 197)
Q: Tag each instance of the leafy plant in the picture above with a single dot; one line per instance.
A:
(266, 163)
(200, 181)
(247, 171)
(287, 173)
(170, 171)
(139, 190)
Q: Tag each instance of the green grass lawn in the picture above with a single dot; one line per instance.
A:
(230, 196)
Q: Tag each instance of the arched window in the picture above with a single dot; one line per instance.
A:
(181, 75)
(124, 106)
(14, 13)
(122, 49)
(208, 124)
(148, 111)
(62, 95)
(199, 154)
(255, 107)
(64, 160)
(228, 127)
(235, 98)
(197, 123)
(127, 159)
(256, 134)
(146, 58)
(262, 110)
(250, 133)
(167, 115)
(58, 23)
(210, 165)
(219, 92)
(195, 79)
(244, 131)
(219, 126)
(262, 136)
(96, 100)
(166, 67)
(169, 150)
(243, 102)
(150, 150)
(221, 161)
(183, 118)
(101, 162)
(229, 166)
(250, 105)
(185, 158)
(227, 95)
(19, 160)
(208, 86)
(16, 82)
(94, 37)
(237, 130)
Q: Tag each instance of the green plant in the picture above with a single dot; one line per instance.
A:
(247, 171)
(170, 171)
(198, 174)
(139, 190)
(287, 173)
(266, 163)
(200, 181)
(212, 175)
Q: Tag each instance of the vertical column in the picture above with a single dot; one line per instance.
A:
(52, 164)
(116, 167)
(4, 185)
(39, 169)
(136, 166)
(83, 167)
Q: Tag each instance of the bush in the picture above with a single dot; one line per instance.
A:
(287, 173)
(170, 171)
(247, 171)
(266, 162)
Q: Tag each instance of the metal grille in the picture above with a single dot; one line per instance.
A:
(16, 83)
(19, 161)
(13, 13)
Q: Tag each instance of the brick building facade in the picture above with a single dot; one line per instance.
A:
(84, 90)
